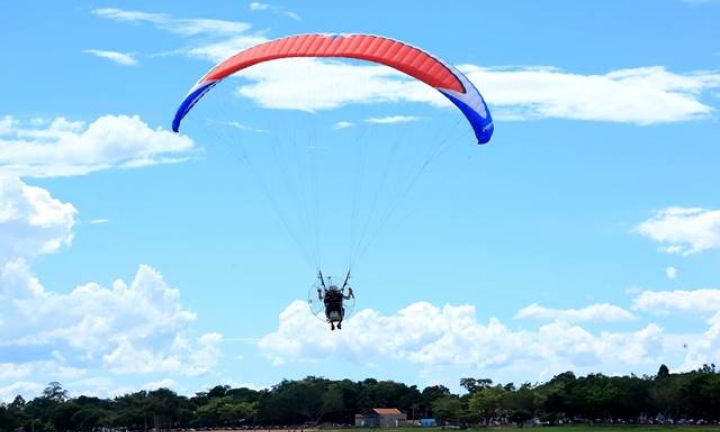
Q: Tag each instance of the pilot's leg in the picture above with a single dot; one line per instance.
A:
(342, 315)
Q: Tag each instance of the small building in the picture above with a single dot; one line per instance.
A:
(381, 418)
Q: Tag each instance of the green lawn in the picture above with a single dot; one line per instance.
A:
(571, 428)
(648, 428)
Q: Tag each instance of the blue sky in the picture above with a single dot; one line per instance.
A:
(585, 236)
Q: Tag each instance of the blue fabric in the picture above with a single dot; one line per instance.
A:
(483, 127)
(189, 102)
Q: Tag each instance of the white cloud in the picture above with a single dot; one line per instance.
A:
(180, 26)
(257, 6)
(218, 39)
(139, 327)
(330, 84)
(65, 148)
(706, 348)
(183, 356)
(642, 96)
(238, 125)
(671, 273)
(8, 392)
(682, 230)
(451, 336)
(163, 383)
(99, 221)
(136, 327)
(218, 51)
(343, 125)
(598, 312)
(392, 119)
(17, 371)
(12, 371)
(292, 15)
(130, 328)
(98, 386)
(7, 123)
(125, 59)
(701, 301)
(32, 222)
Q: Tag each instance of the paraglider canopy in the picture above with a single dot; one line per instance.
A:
(405, 58)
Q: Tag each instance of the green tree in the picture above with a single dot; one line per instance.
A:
(62, 415)
(488, 402)
(522, 404)
(473, 385)
(447, 409)
(55, 392)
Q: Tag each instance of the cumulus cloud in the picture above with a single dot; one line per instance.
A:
(7, 123)
(706, 348)
(699, 348)
(598, 312)
(683, 230)
(701, 301)
(671, 273)
(8, 392)
(130, 328)
(16, 371)
(32, 222)
(125, 59)
(135, 327)
(451, 336)
(66, 148)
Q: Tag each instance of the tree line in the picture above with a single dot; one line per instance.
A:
(314, 400)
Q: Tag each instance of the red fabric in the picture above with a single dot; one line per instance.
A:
(397, 55)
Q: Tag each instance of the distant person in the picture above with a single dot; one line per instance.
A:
(333, 298)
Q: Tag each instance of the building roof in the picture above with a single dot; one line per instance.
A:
(387, 411)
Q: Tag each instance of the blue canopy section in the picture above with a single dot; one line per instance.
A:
(482, 126)
(190, 100)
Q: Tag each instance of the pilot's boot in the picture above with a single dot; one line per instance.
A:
(332, 326)
(340, 325)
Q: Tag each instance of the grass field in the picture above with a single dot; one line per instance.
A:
(569, 428)
(643, 428)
